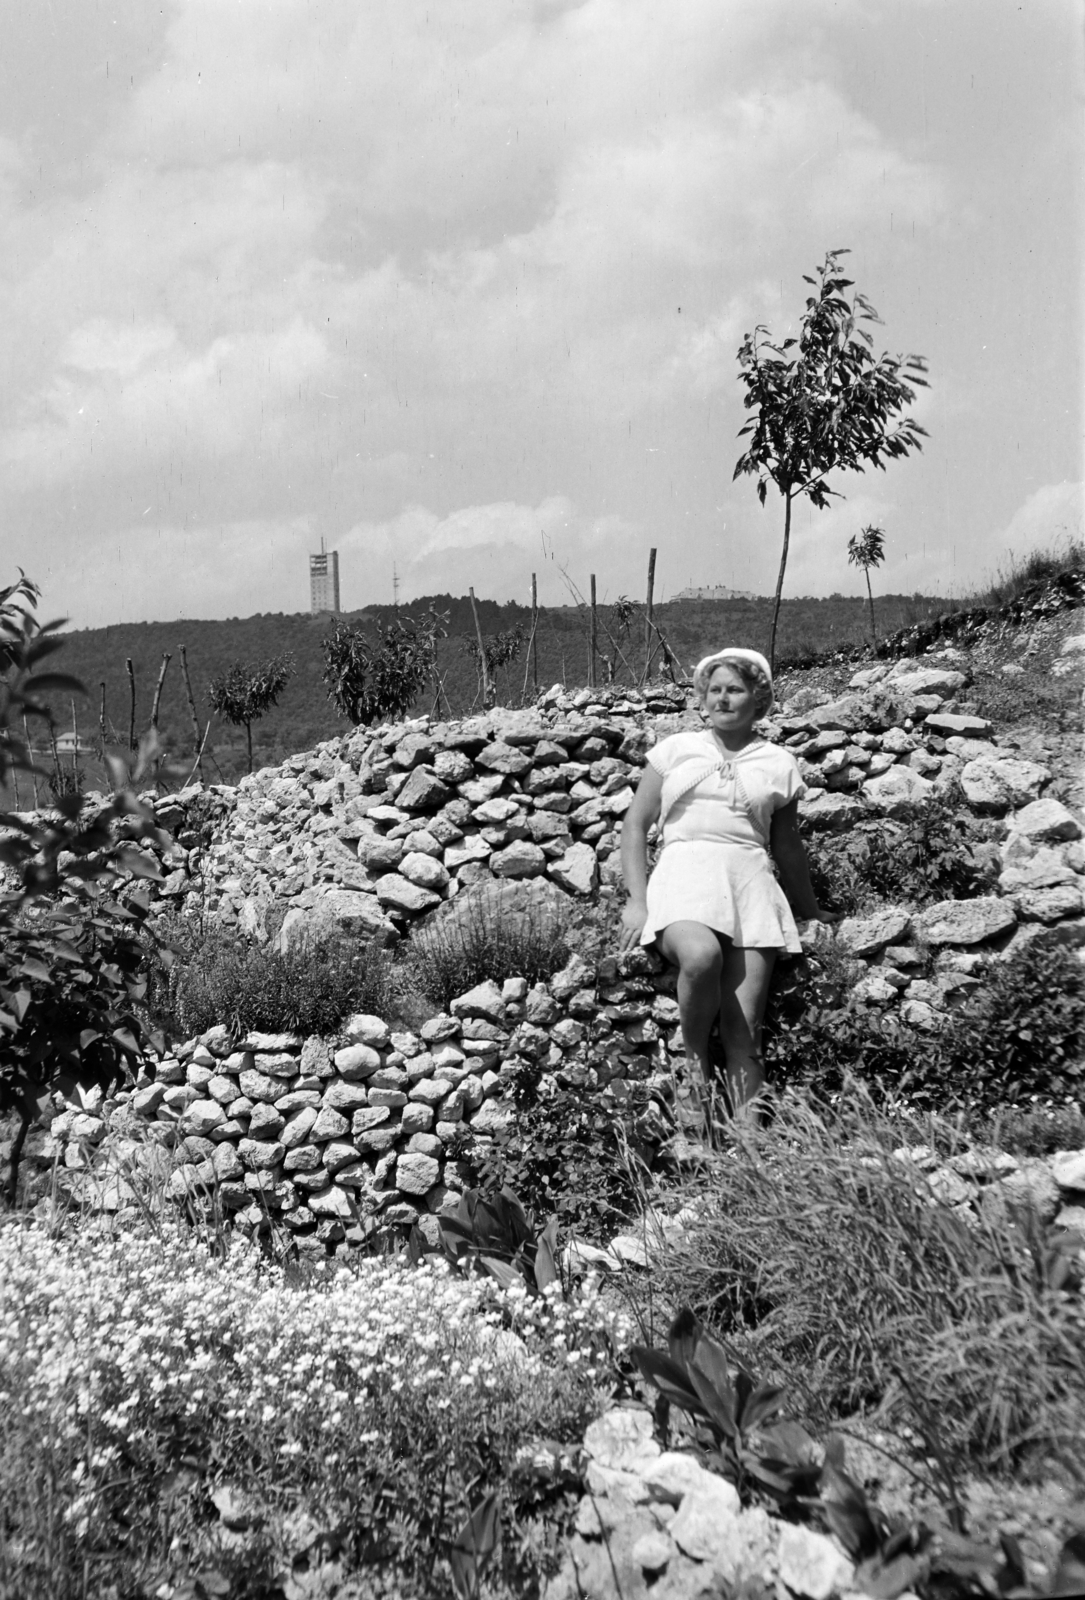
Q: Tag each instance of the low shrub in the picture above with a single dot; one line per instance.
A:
(484, 934)
(221, 977)
(569, 1155)
(926, 856)
(820, 1254)
(1032, 1130)
(1020, 1037)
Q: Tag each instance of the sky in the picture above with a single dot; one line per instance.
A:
(458, 288)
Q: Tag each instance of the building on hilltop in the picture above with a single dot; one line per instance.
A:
(719, 592)
(324, 581)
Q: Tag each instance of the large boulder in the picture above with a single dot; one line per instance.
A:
(1047, 820)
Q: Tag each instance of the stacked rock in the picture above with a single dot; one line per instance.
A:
(316, 1137)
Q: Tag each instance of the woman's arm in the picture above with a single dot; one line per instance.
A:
(789, 855)
(638, 819)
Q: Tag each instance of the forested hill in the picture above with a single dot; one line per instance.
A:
(305, 715)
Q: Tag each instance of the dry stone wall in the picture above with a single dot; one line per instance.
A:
(372, 834)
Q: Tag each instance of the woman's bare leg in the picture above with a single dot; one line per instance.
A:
(696, 951)
(743, 994)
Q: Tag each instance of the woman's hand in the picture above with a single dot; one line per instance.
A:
(634, 916)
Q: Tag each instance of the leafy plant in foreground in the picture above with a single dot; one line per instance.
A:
(72, 963)
(494, 1230)
(750, 1442)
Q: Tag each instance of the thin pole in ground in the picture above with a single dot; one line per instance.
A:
(649, 613)
(593, 636)
(132, 703)
(484, 666)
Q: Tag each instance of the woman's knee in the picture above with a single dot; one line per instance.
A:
(695, 950)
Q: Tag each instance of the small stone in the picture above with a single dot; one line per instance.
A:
(503, 758)
(430, 1091)
(623, 1439)
(416, 1118)
(964, 922)
(577, 870)
(402, 895)
(328, 1125)
(897, 791)
(1068, 1169)
(356, 1061)
(865, 936)
(423, 791)
(416, 1173)
(345, 1097)
(367, 1117)
(425, 871)
(1049, 905)
(652, 1551)
(521, 859)
(810, 1564)
(484, 1000)
(365, 1029)
(330, 1202)
(705, 1525)
(266, 1122)
(947, 722)
(260, 1157)
(1048, 820)
(425, 1144)
(201, 1117)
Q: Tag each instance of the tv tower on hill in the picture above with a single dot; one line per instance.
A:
(324, 581)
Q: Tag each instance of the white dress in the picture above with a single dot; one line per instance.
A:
(715, 816)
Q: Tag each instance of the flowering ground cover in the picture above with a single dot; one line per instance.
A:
(179, 1417)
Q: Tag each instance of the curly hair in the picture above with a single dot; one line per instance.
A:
(751, 674)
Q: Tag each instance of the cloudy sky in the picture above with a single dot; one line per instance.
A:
(457, 285)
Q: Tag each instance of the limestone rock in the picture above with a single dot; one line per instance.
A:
(810, 1564)
(705, 1525)
(577, 870)
(1032, 1185)
(1048, 820)
(865, 936)
(471, 848)
(341, 1097)
(423, 791)
(927, 680)
(1003, 783)
(830, 813)
(416, 1173)
(947, 722)
(846, 713)
(330, 1202)
(201, 1117)
(485, 1000)
(964, 922)
(423, 870)
(1068, 1169)
(356, 1061)
(503, 758)
(1040, 869)
(402, 895)
(1049, 905)
(623, 1439)
(896, 791)
(336, 913)
(521, 859)
(365, 1029)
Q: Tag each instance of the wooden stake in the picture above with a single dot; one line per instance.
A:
(75, 749)
(593, 635)
(531, 649)
(132, 707)
(534, 652)
(484, 667)
(101, 722)
(30, 758)
(197, 746)
(156, 702)
(649, 613)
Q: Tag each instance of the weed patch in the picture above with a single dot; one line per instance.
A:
(926, 856)
(822, 1254)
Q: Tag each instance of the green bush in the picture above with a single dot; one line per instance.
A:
(1019, 1037)
(220, 977)
(568, 1155)
(819, 1252)
(926, 856)
(482, 935)
(1032, 1130)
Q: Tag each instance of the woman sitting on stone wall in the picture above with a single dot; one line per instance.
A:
(726, 803)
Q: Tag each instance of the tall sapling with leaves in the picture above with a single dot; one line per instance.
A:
(866, 550)
(823, 402)
(247, 692)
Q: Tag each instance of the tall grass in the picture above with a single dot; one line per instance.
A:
(825, 1256)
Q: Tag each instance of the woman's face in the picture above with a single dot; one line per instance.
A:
(730, 705)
